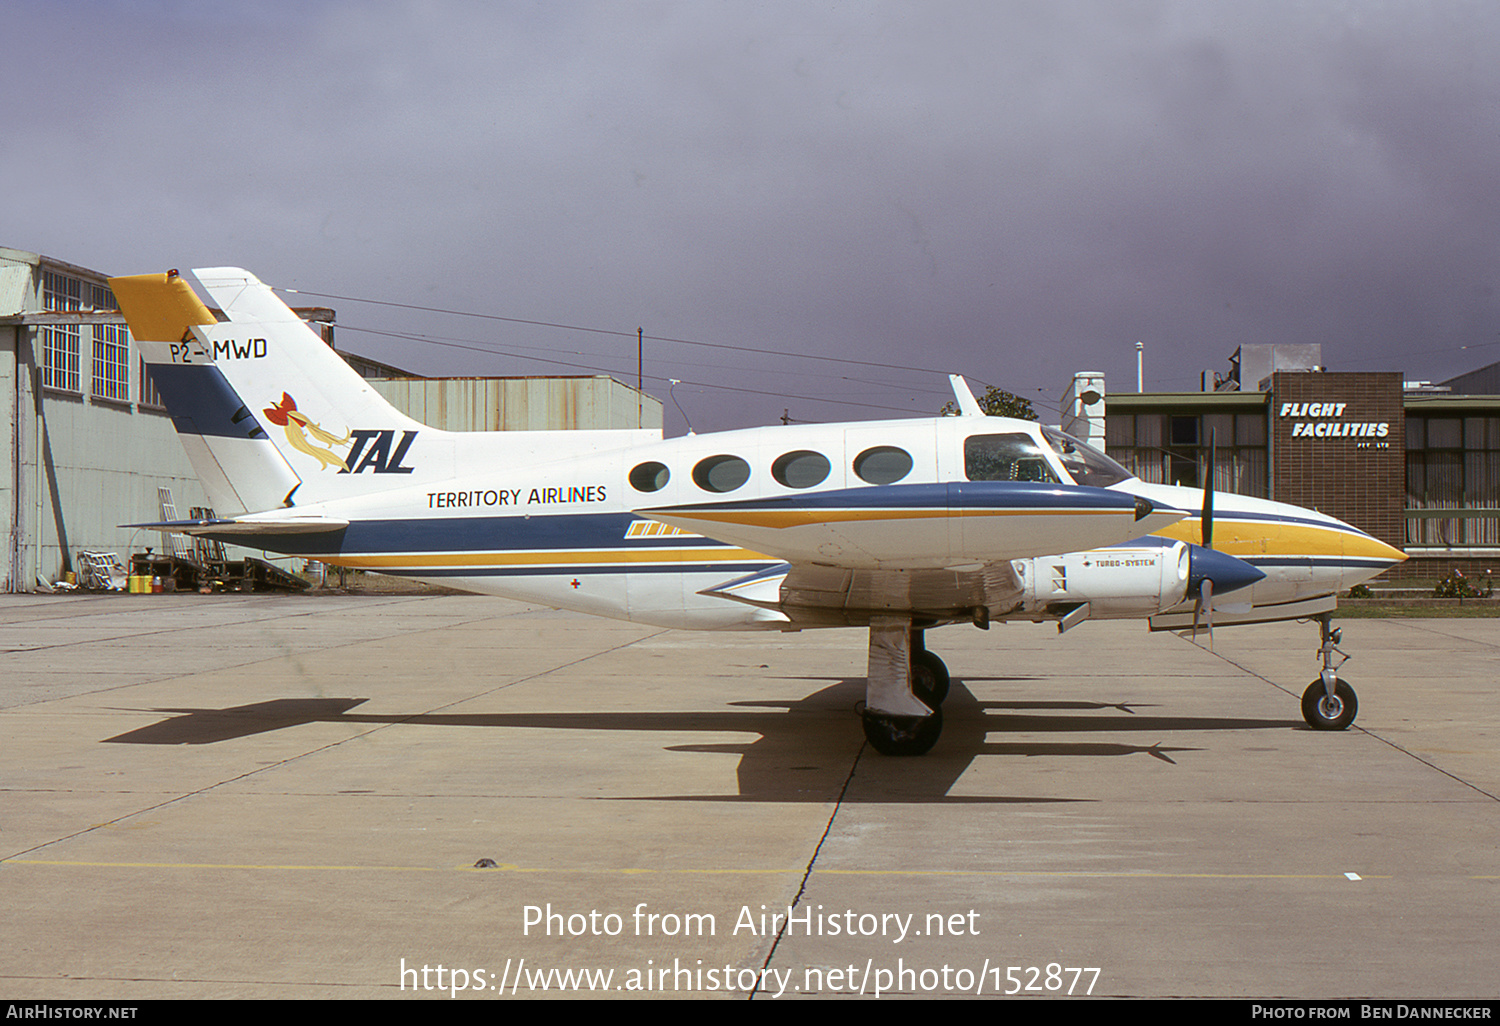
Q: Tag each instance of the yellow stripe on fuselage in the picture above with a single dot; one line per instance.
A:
(1247, 539)
(603, 558)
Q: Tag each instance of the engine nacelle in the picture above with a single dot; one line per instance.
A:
(1120, 582)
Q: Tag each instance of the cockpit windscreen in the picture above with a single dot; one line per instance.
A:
(1085, 464)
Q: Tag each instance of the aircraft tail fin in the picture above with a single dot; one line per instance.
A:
(269, 414)
(240, 468)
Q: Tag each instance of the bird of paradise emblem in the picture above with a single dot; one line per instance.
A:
(299, 426)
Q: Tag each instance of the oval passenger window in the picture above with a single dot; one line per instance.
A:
(884, 464)
(721, 473)
(801, 469)
(650, 477)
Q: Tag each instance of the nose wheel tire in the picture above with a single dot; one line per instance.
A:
(902, 735)
(1325, 712)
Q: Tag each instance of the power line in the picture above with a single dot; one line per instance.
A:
(512, 350)
(611, 331)
(654, 377)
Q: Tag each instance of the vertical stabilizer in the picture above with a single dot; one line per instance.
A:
(269, 413)
(241, 470)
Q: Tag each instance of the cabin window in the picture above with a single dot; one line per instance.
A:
(884, 464)
(1008, 457)
(801, 469)
(650, 477)
(721, 473)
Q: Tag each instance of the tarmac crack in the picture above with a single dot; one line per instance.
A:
(838, 804)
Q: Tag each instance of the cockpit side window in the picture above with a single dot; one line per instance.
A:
(1085, 464)
(1009, 457)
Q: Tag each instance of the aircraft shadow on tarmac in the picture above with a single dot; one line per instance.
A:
(802, 750)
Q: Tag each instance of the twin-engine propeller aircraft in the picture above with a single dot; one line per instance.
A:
(897, 526)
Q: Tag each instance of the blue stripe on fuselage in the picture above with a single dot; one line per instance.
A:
(516, 533)
(954, 495)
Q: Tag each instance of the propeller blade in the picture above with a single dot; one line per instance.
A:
(1208, 489)
(1206, 595)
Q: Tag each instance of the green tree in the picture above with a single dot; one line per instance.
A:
(997, 402)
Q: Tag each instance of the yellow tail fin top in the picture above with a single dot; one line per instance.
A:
(159, 307)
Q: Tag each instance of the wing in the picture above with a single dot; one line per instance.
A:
(942, 526)
(812, 595)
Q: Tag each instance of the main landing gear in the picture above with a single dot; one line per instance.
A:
(904, 694)
(1329, 702)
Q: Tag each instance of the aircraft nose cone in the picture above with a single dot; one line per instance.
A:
(1227, 572)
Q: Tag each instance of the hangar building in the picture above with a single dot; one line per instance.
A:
(87, 443)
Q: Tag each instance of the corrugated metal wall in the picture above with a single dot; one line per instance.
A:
(521, 404)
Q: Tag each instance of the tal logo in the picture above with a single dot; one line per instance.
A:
(374, 450)
(378, 454)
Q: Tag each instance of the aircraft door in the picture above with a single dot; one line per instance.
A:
(888, 453)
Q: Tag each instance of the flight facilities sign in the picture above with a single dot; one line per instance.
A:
(1328, 420)
(1323, 424)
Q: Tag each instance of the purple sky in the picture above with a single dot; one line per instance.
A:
(1010, 190)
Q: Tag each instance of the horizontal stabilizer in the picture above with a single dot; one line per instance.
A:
(248, 525)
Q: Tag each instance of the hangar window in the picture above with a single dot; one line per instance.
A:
(883, 464)
(801, 469)
(650, 477)
(60, 342)
(1008, 457)
(149, 396)
(111, 362)
(722, 473)
(60, 357)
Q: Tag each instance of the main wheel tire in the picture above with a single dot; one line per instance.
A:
(1324, 713)
(902, 735)
(929, 678)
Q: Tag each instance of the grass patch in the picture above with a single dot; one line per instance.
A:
(1355, 609)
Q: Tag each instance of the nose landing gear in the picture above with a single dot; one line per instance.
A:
(1329, 703)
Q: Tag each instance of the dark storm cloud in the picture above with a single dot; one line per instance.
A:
(1010, 190)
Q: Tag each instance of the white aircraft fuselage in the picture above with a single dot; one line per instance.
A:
(896, 525)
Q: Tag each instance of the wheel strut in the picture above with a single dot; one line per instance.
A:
(1329, 703)
(902, 714)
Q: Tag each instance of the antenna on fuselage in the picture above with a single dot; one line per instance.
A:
(968, 406)
(671, 384)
